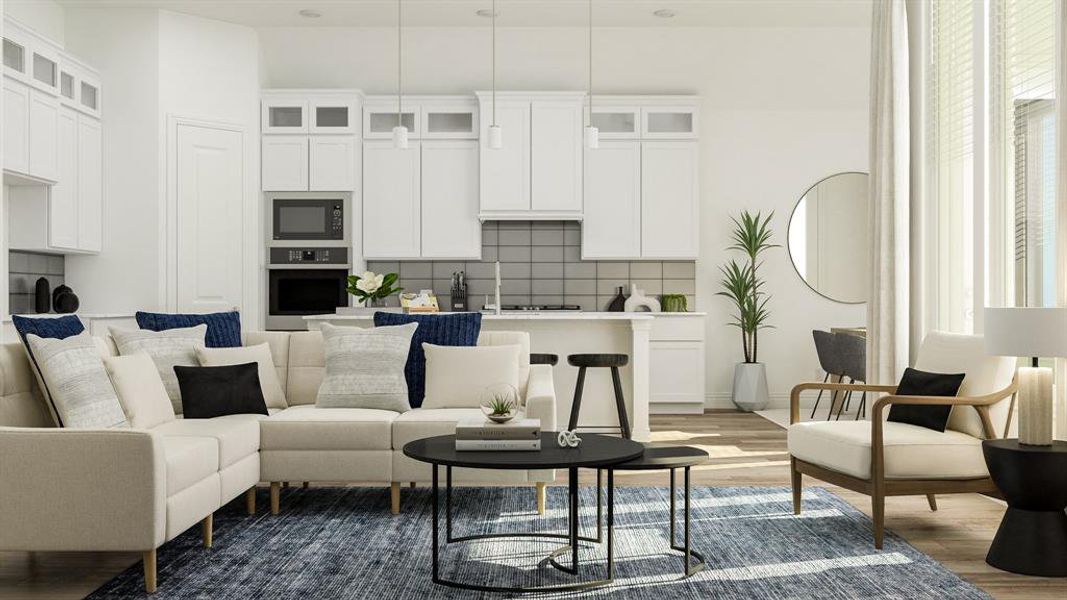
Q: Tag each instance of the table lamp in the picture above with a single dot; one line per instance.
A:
(1033, 332)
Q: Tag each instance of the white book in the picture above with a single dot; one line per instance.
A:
(481, 429)
(497, 445)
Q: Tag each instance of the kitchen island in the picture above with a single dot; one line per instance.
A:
(566, 332)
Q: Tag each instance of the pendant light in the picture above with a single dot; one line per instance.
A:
(496, 136)
(400, 133)
(592, 134)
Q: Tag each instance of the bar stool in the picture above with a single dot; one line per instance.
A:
(611, 361)
(544, 359)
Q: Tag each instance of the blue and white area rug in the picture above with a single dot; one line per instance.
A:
(344, 543)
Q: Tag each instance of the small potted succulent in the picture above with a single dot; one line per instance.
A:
(372, 289)
(500, 403)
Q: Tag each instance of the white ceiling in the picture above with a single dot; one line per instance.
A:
(516, 13)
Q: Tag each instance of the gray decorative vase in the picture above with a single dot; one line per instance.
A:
(750, 386)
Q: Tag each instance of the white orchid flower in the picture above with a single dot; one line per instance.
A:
(369, 282)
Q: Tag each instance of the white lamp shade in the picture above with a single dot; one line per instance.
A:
(496, 137)
(592, 137)
(1040, 332)
(400, 137)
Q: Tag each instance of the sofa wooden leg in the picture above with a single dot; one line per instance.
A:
(878, 516)
(305, 485)
(541, 497)
(411, 484)
(250, 500)
(207, 527)
(394, 496)
(798, 486)
(150, 571)
(275, 498)
(285, 484)
(932, 499)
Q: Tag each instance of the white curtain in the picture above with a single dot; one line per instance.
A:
(1060, 429)
(889, 220)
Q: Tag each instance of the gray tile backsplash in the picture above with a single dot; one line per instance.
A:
(540, 263)
(24, 269)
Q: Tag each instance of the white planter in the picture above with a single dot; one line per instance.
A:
(750, 386)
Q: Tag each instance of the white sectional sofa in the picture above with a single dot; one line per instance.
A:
(134, 490)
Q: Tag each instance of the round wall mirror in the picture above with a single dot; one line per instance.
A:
(829, 239)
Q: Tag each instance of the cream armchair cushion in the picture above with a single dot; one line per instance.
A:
(140, 390)
(911, 452)
(462, 376)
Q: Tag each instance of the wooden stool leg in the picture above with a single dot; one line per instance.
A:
(932, 499)
(576, 405)
(150, 571)
(620, 403)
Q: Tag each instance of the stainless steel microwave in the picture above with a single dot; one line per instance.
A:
(309, 218)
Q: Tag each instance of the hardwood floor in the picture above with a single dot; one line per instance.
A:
(745, 449)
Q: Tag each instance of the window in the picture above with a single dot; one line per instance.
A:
(1023, 142)
(950, 177)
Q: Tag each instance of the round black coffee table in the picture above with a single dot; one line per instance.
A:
(595, 452)
(1032, 538)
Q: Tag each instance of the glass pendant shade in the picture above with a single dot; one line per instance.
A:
(592, 137)
(496, 137)
(400, 137)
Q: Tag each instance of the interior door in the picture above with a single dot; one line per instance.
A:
(209, 198)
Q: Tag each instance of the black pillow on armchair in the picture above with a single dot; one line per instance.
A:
(921, 383)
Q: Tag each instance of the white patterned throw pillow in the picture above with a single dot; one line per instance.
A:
(365, 367)
(168, 349)
(81, 391)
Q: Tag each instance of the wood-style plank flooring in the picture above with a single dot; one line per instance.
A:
(745, 450)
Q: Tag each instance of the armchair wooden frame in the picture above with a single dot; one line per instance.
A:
(878, 487)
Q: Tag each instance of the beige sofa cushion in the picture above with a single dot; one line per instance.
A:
(461, 376)
(910, 451)
(260, 354)
(170, 348)
(512, 338)
(140, 390)
(236, 438)
(307, 366)
(313, 428)
(189, 460)
(426, 422)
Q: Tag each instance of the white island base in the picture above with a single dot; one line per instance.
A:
(575, 333)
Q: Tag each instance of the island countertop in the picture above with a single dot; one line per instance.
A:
(548, 315)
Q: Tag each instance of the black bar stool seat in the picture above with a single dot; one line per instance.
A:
(544, 359)
(595, 361)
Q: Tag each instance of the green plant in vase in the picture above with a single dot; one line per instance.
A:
(372, 289)
(744, 287)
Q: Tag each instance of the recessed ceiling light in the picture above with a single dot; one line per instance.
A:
(308, 13)
(664, 13)
(485, 12)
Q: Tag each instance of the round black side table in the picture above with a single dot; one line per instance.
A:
(1032, 539)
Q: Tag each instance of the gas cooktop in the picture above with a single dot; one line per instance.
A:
(537, 307)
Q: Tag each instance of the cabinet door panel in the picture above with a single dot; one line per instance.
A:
(450, 225)
(611, 227)
(44, 136)
(63, 201)
(332, 116)
(285, 115)
(332, 163)
(16, 126)
(669, 199)
(285, 163)
(505, 172)
(677, 372)
(391, 200)
(90, 184)
(556, 157)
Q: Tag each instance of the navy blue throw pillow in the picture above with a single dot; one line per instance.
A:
(223, 329)
(459, 329)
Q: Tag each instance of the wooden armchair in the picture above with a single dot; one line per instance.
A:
(880, 458)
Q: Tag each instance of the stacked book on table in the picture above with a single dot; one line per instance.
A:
(481, 435)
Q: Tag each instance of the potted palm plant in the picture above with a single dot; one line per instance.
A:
(744, 288)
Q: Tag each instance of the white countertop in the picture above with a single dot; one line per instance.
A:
(80, 315)
(553, 315)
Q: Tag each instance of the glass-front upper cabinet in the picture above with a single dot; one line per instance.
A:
(669, 122)
(45, 69)
(79, 87)
(450, 120)
(67, 88)
(617, 122)
(332, 116)
(15, 52)
(281, 115)
(380, 117)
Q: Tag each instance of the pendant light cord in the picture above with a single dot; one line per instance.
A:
(590, 63)
(493, 53)
(399, 67)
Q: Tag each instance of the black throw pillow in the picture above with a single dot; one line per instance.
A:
(921, 383)
(217, 391)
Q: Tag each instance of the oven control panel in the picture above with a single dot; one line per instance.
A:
(311, 257)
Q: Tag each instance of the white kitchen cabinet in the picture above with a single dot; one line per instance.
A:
(450, 225)
(449, 119)
(556, 157)
(669, 199)
(285, 163)
(79, 87)
(617, 122)
(332, 163)
(44, 68)
(611, 227)
(44, 140)
(669, 122)
(391, 200)
(16, 53)
(332, 115)
(90, 184)
(677, 364)
(284, 115)
(504, 175)
(63, 209)
(380, 117)
(16, 126)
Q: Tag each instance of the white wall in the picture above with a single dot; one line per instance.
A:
(782, 108)
(43, 16)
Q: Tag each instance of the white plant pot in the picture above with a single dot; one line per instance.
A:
(750, 386)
